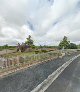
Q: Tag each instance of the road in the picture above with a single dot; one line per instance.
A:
(69, 80)
(27, 80)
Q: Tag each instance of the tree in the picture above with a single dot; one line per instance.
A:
(78, 46)
(64, 43)
(73, 46)
(5, 46)
(29, 41)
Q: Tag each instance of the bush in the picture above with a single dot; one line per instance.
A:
(37, 51)
(73, 46)
(44, 51)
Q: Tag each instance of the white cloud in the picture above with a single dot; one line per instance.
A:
(46, 20)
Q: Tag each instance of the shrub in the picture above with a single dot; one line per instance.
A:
(44, 51)
(37, 51)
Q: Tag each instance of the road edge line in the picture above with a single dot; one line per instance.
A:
(51, 78)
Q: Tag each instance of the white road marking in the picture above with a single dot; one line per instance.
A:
(47, 82)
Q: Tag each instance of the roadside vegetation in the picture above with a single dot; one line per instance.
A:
(7, 47)
(66, 44)
(27, 54)
(28, 48)
(78, 46)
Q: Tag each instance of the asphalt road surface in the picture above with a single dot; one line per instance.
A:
(69, 80)
(27, 80)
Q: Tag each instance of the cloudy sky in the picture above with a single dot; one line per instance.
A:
(47, 21)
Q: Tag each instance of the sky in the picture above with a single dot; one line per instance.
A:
(47, 21)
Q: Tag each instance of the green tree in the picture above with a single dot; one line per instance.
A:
(6, 46)
(29, 41)
(73, 46)
(64, 43)
(78, 46)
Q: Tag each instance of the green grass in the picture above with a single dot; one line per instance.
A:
(18, 54)
(9, 48)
